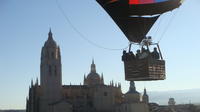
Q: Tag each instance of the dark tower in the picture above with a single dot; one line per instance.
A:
(50, 70)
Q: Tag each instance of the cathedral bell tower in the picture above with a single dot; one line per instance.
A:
(50, 70)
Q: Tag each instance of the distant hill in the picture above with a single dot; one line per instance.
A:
(181, 96)
(12, 111)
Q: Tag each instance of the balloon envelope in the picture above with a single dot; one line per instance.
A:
(129, 15)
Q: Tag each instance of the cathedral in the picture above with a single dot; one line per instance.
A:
(49, 95)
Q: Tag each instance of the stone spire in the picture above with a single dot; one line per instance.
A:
(132, 88)
(115, 84)
(93, 67)
(145, 97)
(102, 79)
(145, 91)
(36, 83)
(50, 35)
(50, 41)
(31, 82)
(112, 83)
(84, 77)
(119, 85)
(85, 80)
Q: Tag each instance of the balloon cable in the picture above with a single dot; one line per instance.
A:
(80, 34)
(168, 25)
(158, 26)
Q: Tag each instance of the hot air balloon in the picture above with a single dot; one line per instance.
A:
(135, 18)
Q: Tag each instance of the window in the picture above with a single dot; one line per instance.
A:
(126, 108)
(105, 94)
(55, 70)
(50, 69)
(52, 55)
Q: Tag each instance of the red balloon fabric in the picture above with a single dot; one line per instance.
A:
(132, 2)
(141, 1)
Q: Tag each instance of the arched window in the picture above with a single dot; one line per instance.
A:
(47, 54)
(126, 108)
(50, 69)
(52, 55)
(55, 70)
(105, 94)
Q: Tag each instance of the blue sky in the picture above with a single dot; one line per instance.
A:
(24, 25)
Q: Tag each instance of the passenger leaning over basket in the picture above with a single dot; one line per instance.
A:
(131, 56)
(155, 54)
(138, 54)
(124, 56)
(144, 54)
(128, 56)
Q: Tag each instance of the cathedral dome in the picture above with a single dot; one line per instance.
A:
(132, 95)
(93, 78)
(132, 89)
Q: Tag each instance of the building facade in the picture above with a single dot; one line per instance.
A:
(93, 96)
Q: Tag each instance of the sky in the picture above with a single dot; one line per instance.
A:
(24, 27)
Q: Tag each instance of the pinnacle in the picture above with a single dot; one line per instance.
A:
(50, 35)
(93, 61)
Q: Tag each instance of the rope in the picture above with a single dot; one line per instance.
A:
(80, 34)
(168, 25)
(159, 22)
